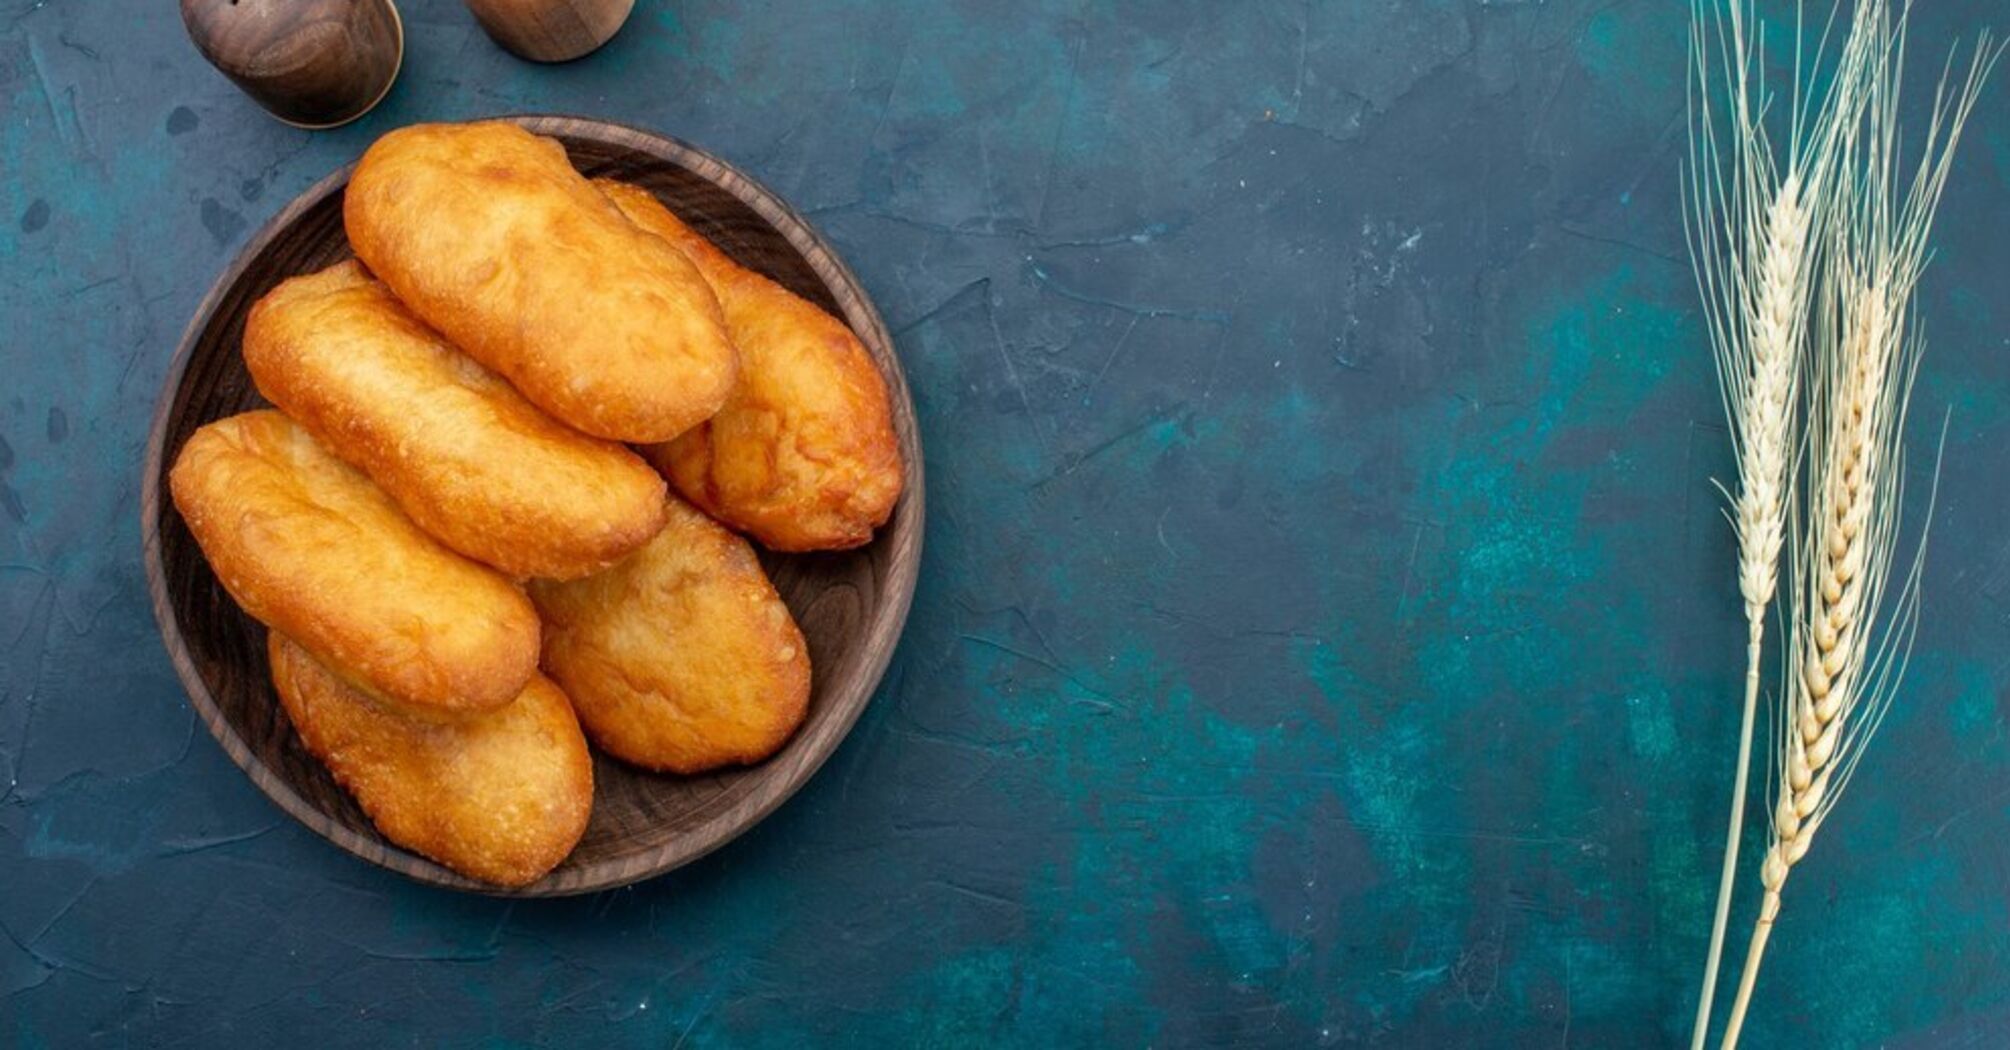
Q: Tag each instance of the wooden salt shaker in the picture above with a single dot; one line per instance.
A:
(551, 30)
(311, 63)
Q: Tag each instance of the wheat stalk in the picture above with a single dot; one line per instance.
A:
(1754, 244)
(1844, 661)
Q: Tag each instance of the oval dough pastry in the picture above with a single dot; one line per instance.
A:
(803, 455)
(455, 445)
(310, 547)
(501, 796)
(489, 235)
(682, 657)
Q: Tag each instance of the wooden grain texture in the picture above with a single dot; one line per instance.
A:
(551, 30)
(851, 605)
(311, 63)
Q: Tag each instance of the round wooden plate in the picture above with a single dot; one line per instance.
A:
(850, 604)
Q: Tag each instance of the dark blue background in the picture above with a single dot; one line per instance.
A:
(1327, 634)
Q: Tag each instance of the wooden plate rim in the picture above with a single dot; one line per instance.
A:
(904, 529)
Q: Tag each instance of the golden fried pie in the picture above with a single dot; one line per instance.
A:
(310, 547)
(465, 456)
(682, 657)
(490, 236)
(803, 455)
(501, 796)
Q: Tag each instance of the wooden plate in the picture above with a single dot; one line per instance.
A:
(850, 604)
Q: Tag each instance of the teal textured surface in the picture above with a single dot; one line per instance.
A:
(1327, 633)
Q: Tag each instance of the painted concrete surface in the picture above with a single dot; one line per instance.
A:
(1327, 634)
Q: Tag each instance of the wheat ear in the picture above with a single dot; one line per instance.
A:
(1845, 662)
(1755, 250)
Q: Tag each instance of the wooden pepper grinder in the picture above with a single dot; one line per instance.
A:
(311, 63)
(551, 30)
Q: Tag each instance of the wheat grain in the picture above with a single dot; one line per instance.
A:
(1852, 538)
(1755, 250)
(1765, 423)
(1847, 652)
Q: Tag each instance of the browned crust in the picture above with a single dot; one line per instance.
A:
(488, 234)
(803, 454)
(682, 657)
(310, 547)
(463, 454)
(501, 796)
